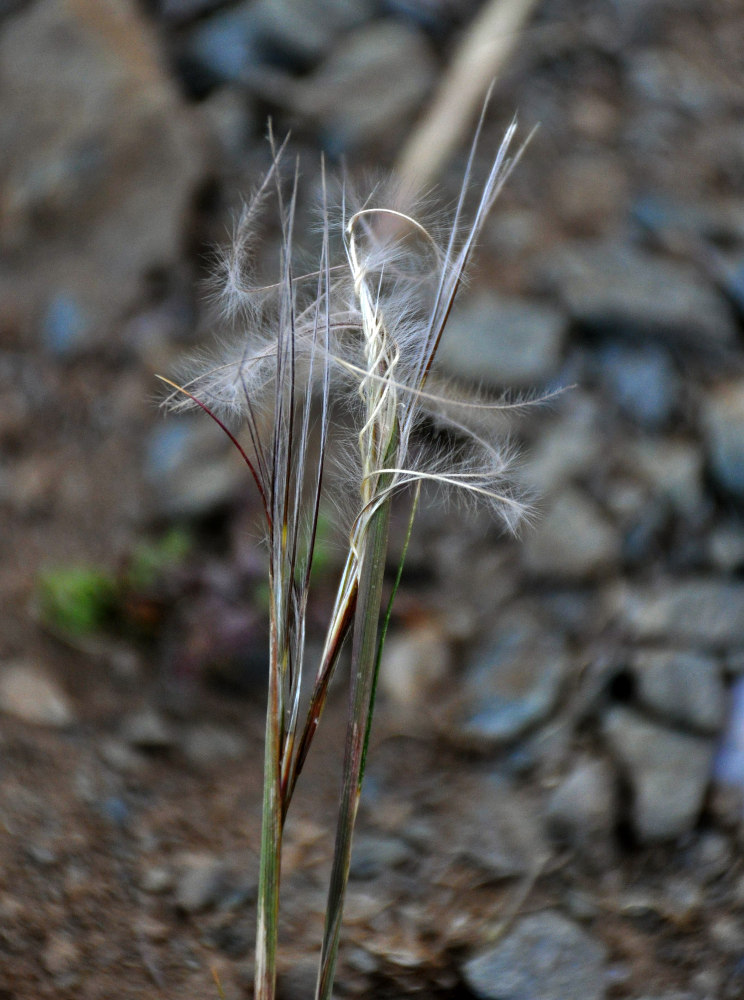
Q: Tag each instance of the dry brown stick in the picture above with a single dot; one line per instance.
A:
(477, 62)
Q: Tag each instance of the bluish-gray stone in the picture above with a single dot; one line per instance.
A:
(707, 613)
(513, 684)
(573, 539)
(685, 687)
(723, 421)
(503, 341)
(545, 957)
(611, 286)
(643, 381)
(668, 772)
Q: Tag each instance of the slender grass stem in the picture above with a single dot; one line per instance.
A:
(271, 837)
(363, 673)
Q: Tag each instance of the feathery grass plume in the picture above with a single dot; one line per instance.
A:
(364, 330)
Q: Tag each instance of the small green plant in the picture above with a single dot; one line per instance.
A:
(365, 331)
(76, 600)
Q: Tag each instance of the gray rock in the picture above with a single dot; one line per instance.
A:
(349, 95)
(609, 285)
(668, 78)
(672, 470)
(643, 381)
(726, 546)
(513, 684)
(573, 539)
(156, 880)
(306, 29)
(545, 957)
(685, 688)
(223, 48)
(202, 883)
(723, 421)
(32, 695)
(147, 730)
(373, 855)
(192, 468)
(668, 772)
(101, 158)
(581, 809)
(703, 612)
(494, 826)
(207, 745)
(413, 663)
(568, 447)
(500, 341)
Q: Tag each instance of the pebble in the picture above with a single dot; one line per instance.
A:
(147, 730)
(726, 546)
(544, 957)
(156, 880)
(685, 688)
(61, 957)
(304, 31)
(373, 855)
(413, 663)
(610, 286)
(121, 757)
(581, 809)
(671, 468)
(221, 48)
(723, 422)
(512, 684)
(703, 612)
(643, 381)
(349, 94)
(30, 694)
(192, 468)
(668, 772)
(202, 883)
(573, 539)
(207, 745)
(568, 446)
(490, 824)
(64, 326)
(503, 341)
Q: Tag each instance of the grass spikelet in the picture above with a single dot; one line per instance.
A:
(362, 331)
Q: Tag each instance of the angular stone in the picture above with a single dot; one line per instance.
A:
(642, 380)
(512, 685)
(668, 772)
(568, 446)
(544, 957)
(671, 468)
(611, 286)
(413, 663)
(501, 341)
(30, 694)
(685, 688)
(573, 539)
(192, 468)
(723, 421)
(490, 824)
(100, 160)
(708, 613)
(349, 95)
(582, 807)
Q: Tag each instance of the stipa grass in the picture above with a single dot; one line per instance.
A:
(364, 329)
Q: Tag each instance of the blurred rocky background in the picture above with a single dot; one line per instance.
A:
(569, 706)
